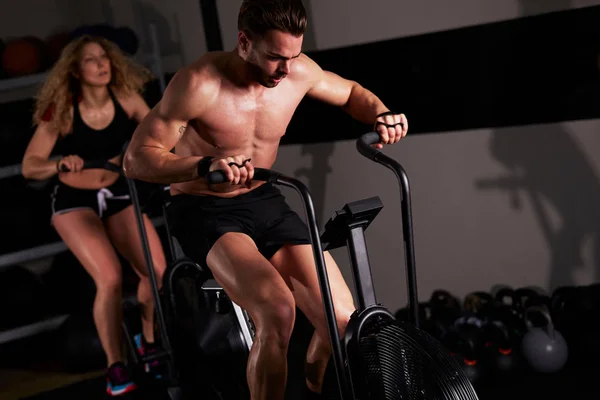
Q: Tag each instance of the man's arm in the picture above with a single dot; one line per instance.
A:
(359, 102)
(149, 156)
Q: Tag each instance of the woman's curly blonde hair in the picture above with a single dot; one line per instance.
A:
(127, 77)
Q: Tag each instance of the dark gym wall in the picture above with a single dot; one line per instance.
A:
(516, 72)
(504, 190)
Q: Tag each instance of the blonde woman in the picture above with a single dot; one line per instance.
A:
(90, 104)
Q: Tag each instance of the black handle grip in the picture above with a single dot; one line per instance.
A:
(260, 174)
(365, 143)
(96, 164)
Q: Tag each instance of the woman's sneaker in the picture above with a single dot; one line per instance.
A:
(144, 348)
(118, 380)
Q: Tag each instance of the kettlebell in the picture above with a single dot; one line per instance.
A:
(478, 303)
(500, 352)
(531, 296)
(508, 311)
(444, 309)
(543, 347)
(442, 301)
(468, 348)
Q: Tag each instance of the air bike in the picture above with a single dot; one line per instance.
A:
(202, 333)
(379, 357)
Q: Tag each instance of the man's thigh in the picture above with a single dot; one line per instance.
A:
(248, 278)
(297, 267)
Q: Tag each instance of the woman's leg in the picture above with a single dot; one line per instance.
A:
(84, 234)
(123, 231)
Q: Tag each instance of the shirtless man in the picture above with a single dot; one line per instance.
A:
(230, 107)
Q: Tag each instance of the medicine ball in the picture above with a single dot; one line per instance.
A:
(24, 56)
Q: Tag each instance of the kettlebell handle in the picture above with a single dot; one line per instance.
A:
(542, 309)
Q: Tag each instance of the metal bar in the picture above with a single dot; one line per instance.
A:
(32, 329)
(212, 27)
(363, 281)
(156, 57)
(130, 344)
(47, 250)
(243, 322)
(150, 264)
(345, 390)
(160, 354)
(172, 251)
(22, 81)
(409, 247)
(32, 254)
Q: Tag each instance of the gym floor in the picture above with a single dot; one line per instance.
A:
(29, 370)
(29, 367)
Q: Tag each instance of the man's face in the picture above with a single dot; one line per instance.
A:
(271, 56)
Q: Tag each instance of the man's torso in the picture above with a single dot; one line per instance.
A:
(239, 121)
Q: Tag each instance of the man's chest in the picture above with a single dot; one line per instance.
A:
(238, 121)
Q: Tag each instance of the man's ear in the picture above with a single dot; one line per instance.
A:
(243, 41)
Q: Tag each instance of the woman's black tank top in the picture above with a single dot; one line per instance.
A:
(104, 144)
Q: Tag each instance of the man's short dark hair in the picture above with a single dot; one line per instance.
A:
(256, 17)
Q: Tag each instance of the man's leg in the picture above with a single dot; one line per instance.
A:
(296, 265)
(252, 282)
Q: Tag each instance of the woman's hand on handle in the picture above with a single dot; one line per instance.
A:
(71, 163)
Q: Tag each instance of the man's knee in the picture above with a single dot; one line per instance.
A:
(276, 315)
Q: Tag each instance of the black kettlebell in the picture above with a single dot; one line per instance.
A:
(501, 352)
(443, 309)
(428, 322)
(575, 311)
(531, 296)
(563, 306)
(424, 309)
(478, 302)
(468, 347)
(441, 298)
(508, 312)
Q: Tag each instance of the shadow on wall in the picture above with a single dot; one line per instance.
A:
(547, 167)
(316, 174)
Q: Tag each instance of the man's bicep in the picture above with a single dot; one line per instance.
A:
(329, 87)
(166, 122)
(160, 130)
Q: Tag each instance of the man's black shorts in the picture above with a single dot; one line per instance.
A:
(263, 214)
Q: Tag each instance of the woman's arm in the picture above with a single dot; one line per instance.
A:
(136, 107)
(35, 164)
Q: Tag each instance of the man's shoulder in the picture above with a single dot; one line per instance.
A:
(305, 68)
(203, 73)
